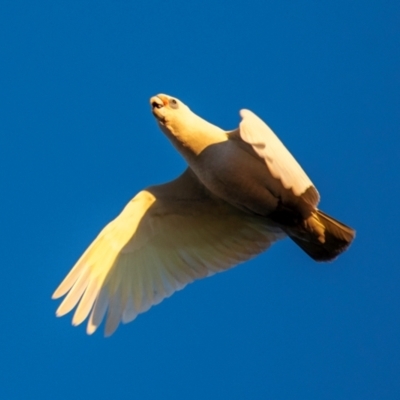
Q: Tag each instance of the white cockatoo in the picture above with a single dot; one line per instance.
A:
(241, 192)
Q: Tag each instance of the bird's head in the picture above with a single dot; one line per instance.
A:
(166, 108)
(186, 130)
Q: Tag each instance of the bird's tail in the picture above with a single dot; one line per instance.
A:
(323, 238)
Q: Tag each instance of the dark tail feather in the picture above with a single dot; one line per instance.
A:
(338, 237)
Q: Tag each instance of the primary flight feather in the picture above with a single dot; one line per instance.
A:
(241, 192)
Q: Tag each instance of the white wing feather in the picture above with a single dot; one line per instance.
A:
(267, 145)
(165, 238)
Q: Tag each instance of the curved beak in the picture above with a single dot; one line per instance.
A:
(156, 102)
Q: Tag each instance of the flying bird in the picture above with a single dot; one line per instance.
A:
(242, 191)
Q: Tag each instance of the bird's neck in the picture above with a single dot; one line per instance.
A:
(192, 135)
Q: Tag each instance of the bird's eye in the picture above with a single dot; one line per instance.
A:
(173, 103)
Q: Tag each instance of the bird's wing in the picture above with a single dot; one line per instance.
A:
(166, 237)
(281, 164)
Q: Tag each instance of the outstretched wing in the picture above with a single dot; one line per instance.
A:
(281, 164)
(165, 238)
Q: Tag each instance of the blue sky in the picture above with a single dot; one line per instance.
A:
(78, 141)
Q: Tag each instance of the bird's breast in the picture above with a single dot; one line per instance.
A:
(236, 177)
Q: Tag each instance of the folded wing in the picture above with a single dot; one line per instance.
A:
(166, 237)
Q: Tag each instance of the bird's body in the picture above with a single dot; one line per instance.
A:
(241, 192)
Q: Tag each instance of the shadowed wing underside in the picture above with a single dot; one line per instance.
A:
(166, 237)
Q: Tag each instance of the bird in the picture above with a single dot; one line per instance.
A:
(241, 191)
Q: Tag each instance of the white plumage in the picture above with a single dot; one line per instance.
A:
(220, 212)
(267, 145)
